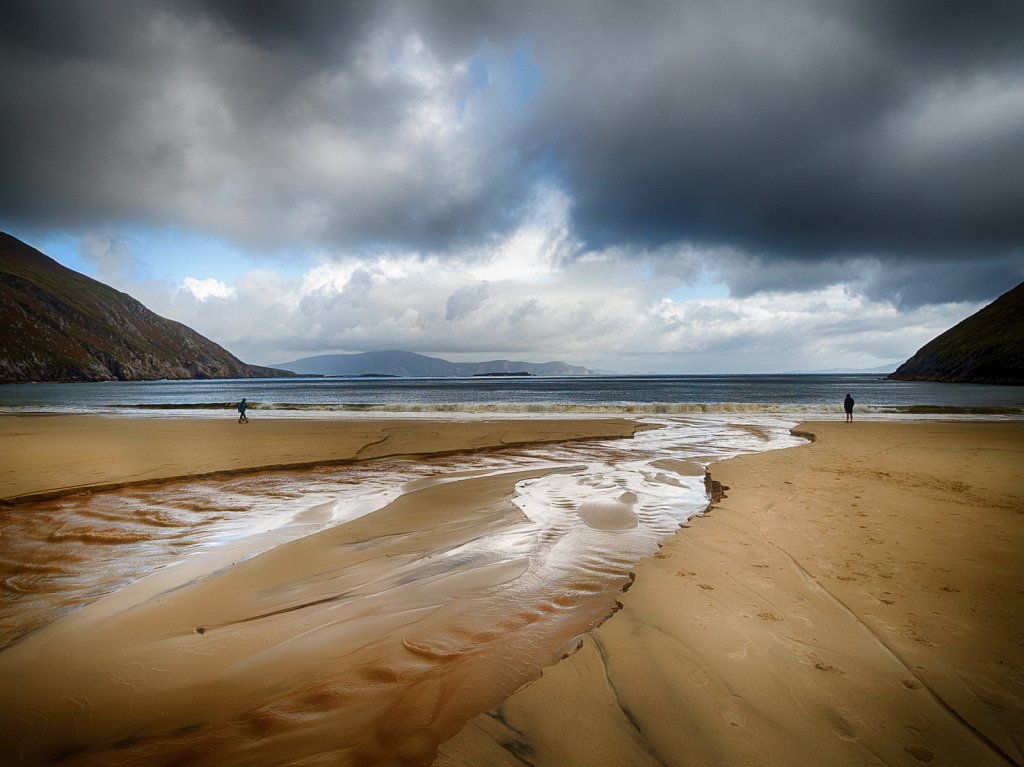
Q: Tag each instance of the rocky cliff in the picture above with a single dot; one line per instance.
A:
(59, 325)
(987, 347)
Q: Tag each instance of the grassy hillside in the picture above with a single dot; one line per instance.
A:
(59, 325)
(987, 347)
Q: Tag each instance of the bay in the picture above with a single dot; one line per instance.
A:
(796, 394)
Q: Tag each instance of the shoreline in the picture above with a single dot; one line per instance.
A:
(47, 457)
(853, 600)
(848, 601)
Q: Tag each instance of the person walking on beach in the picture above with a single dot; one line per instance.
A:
(848, 407)
(242, 417)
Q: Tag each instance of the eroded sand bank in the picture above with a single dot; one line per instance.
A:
(855, 601)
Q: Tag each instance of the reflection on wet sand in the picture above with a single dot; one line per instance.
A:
(350, 616)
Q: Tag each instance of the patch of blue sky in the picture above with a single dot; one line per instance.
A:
(162, 253)
(60, 246)
(526, 75)
(172, 254)
(478, 73)
(514, 75)
(477, 80)
(702, 286)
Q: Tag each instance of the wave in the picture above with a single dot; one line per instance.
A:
(645, 408)
(181, 406)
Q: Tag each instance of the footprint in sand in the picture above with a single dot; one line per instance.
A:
(740, 653)
(820, 664)
(920, 753)
(733, 715)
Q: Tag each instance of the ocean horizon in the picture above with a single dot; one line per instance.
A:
(796, 394)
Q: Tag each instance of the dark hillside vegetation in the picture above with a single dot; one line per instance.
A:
(987, 347)
(59, 325)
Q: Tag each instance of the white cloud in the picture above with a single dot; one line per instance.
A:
(610, 309)
(206, 289)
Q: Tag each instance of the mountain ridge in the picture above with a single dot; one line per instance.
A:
(411, 364)
(57, 324)
(987, 347)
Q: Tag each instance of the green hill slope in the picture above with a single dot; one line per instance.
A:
(59, 325)
(987, 347)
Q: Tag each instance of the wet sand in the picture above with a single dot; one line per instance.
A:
(349, 646)
(367, 642)
(46, 456)
(853, 601)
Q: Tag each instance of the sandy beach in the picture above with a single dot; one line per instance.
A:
(169, 620)
(852, 601)
(855, 601)
(47, 456)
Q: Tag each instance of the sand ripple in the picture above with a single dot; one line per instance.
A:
(357, 615)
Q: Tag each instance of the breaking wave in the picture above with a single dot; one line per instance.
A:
(646, 408)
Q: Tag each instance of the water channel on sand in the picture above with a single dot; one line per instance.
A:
(346, 615)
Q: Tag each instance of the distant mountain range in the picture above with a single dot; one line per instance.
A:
(401, 363)
(59, 325)
(987, 347)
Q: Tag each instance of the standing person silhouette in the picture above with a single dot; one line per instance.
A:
(848, 407)
(242, 406)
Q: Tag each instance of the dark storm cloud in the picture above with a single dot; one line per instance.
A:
(318, 31)
(801, 134)
(796, 129)
(905, 282)
(811, 138)
(307, 123)
(65, 85)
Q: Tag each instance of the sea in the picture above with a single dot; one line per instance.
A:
(797, 395)
(329, 644)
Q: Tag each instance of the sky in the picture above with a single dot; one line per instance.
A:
(662, 187)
